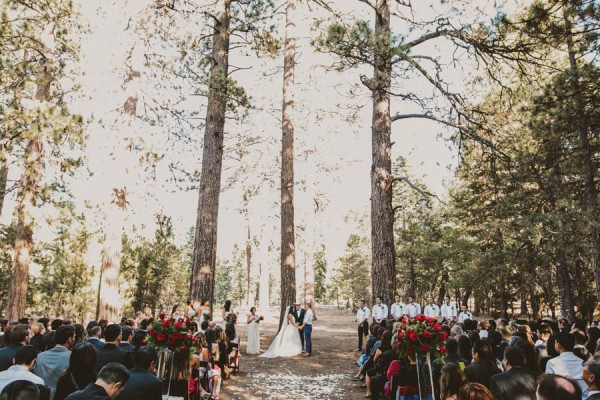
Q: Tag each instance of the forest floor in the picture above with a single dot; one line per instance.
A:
(324, 375)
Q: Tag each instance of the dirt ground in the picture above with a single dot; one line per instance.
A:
(324, 375)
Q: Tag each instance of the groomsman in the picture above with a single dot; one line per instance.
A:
(397, 310)
(362, 320)
(465, 314)
(448, 310)
(431, 309)
(412, 309)
(380, 312)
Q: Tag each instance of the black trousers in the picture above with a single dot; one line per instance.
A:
(301, 337)
(363, 330)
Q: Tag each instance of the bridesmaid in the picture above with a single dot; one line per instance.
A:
(253, 332)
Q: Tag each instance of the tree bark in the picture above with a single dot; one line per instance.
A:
(202, 285)
(309, 281)
(382, 234)
(288, 246)
(109, 297)
(3, 180)
(586, 160)
(26, 199)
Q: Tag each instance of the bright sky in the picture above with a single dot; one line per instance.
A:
(325, 141)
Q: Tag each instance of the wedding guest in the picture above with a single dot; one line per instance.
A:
(205, 311)
(397, 309)
(451, 357)
(593, 336)
(52, 363)
(591, 377)
(412, 308)
(374, 381)
(139, 339)
(253, 320)
(191, 309)
(49, 341)
(465, 314)
(431, 309)
(448, 311)
(110, 352)
(362, 320)
(18, 336)
(126, 337)
(474, 391)
(94, 334)
(111, 380)
(517, 382)
(80, 333)
(484, 364)
(25, 358)
(223, 358)
(209, 375)
(24, 390)
(451, 380)
(37, 338)
(567, 364)
(143, 383)
(464, 347)
(176, 312)
(81, 371)
(552, 387)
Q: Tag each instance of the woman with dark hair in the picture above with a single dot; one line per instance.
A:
(384, 355)
(593, 334)
(464, 347)
(176, 312)
(451, 380)
(80, 333)
(139, 339)
(191, 309)
(80, 373)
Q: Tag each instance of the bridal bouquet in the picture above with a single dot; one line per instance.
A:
(422, 335)
(257, 318)
(172, 334)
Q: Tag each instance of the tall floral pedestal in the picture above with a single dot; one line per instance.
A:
(425, 376)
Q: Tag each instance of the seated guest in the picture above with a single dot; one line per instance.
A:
(37, 338)
(110, 352)
(126, 338)
(23, 390)
(81, 371)
(484, 364)
(111, 380)
(51, 363)
(517, 382)
(21, 370)
(139, 339)
(376, 376)
(80, 333)
(591, 377)
(567, 364)
(18, 336)
(451, 380)
(452, 357)
(94, 334)
(464, 347)
(553, 387)
(142, 383)
(474, 391)
(49, 336)
(579, 349)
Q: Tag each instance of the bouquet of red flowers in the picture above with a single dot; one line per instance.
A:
(172, 334)
(421, 335)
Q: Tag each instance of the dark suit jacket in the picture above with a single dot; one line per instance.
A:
(482, 372)
(111, 353)
(7, 354)
(299, 319)
(37, 341)
(98, 344)
(142, 385)
(516, 384)
(49, 340)
(91, 392)
(594, 397)
(127, 346)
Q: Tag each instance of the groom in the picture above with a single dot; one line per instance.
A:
(299, 320)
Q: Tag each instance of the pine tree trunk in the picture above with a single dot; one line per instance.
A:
(202, 284)
(109, 297)
(382, 222)
(26, 199)
(288, 246)
(309, 282)
(588, 170)
(3, 180)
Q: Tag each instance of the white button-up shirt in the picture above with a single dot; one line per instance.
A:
(412, 309)
(308, 317)
(18, 373)
(448, 311)
(432, 311)
(464, 315)
(380, 311)
(568, 364)
(397, 310)
(362, 314)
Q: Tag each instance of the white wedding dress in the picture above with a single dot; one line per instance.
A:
(287, 342)
(253, 337)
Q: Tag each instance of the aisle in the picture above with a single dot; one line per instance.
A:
(324, 375)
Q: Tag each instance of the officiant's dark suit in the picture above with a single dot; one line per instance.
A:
(299, 319)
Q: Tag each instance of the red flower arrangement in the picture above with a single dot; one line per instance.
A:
(172, 334)
(420, 336)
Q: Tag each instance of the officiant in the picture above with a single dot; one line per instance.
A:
(298, 313)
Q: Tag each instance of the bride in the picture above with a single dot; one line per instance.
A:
(287, 342)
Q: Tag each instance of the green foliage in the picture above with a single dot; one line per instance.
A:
(353, 276)
(320, 268)
(231, 280)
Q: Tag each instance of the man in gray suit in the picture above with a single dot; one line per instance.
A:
(591, 376)
(53, 362)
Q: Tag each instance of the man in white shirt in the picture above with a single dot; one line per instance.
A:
(307, 328)
(465, 314)
(567, 363)
(448, 311)
(380, 312)
(21, 370)
(362, 320)
(431, 309)
(397, 309)
(412, 309)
